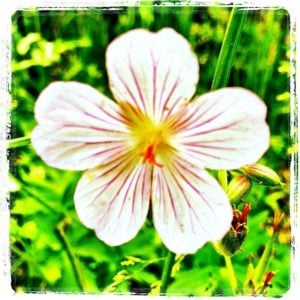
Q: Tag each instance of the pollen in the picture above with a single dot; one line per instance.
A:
(150, 140)
(153, 145)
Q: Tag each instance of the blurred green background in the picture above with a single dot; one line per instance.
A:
(50, 249)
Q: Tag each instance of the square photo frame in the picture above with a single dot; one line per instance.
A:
(149, 148)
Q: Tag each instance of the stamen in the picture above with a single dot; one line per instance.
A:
(150, 156)
(245, 212)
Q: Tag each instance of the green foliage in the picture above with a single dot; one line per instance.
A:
(50, 249)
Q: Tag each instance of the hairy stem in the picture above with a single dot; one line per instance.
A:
(231, 274)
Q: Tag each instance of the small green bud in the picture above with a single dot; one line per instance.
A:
(262, 175)
(238, 187)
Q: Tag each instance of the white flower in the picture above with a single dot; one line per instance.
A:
(152, 144)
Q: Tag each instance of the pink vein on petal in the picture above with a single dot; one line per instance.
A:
(189, 170)
(171, 201)
(125, 85)
(91, 127)
(114, 164)
(192, 118)
(175, 85)
(132, 71)
(97, 107)
(207, 121)
(192, 186)
(199, 144)
(186, 200)
(216, 129)
(134, 174)
(164, 87)
(113, 150)
(154, 82)
(116, 192)
(198, 151)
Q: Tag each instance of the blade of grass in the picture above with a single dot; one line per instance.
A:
(229, 47)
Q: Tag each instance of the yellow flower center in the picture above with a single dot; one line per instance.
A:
(149, 141)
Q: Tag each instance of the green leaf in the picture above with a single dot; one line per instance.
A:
(93, 248)
(27, 206)
(51, 269)
(29, 230)
(196, 282)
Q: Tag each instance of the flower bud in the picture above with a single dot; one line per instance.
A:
(238, 187)
(234, 238)
(267, 282)
(262, 175)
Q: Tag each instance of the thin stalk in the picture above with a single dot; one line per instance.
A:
(23, 256)
(231, 274)
(39, 200)
(36, 21)
(229, 47)
(264, 261)
(73, 259)
(166, 274)
(18, 142)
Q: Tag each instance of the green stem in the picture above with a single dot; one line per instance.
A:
(73, 259)
(28, 192)
(264, 261)
(18, 142)
(229, 47)
(231, 274)
(166, 274)
(23, 257)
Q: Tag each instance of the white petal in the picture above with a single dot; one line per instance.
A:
(189, 207)
(155, 72)
(114, 200)
(78, 128)
(225, 129)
